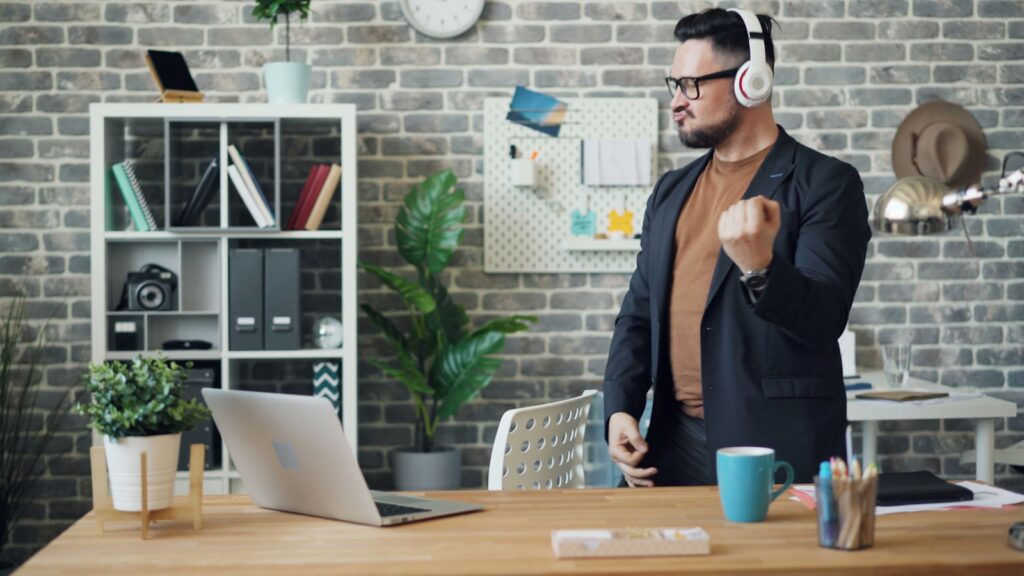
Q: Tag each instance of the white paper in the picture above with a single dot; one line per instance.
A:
(985, 496)
(848, 352)
(616, 162)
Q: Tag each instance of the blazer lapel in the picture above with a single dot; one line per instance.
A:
(666, 215)
(773, 172)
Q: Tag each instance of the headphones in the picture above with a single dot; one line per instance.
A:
(754, 80)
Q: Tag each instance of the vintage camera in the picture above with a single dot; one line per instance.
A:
(150, 289)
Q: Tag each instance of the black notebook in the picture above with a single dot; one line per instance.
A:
(899, 488)
(201, 196)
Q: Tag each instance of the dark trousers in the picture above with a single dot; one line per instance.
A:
(680, 452)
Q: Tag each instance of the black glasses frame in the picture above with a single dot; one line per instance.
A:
(686, 83)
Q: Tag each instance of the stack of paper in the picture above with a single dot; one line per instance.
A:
(985, 496)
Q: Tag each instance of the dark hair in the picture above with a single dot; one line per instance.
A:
(726, 32)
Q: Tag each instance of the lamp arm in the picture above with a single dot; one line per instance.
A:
(967, 199)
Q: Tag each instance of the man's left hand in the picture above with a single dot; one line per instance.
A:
(747, 231)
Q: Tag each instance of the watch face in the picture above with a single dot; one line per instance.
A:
(756, 281)
(442, 18)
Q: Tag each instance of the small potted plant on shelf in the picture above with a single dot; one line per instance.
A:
(138, 406)
(287, 82)
(23, 441)
(442, 362)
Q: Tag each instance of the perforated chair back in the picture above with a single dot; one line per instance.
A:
(540, 447)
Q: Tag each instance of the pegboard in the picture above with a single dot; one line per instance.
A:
(525, 228)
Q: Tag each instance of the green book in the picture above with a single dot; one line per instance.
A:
(134, 208)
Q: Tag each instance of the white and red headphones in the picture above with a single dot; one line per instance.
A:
(754, 80)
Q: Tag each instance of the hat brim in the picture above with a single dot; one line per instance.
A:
(925, 114)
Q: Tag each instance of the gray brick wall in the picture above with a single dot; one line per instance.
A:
(848, 71)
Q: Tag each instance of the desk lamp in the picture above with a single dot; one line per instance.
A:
(919, 205)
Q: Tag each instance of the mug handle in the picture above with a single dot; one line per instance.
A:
(789, 478)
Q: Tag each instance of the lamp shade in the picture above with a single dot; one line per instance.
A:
(914, 206)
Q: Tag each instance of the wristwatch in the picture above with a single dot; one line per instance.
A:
(755, 281)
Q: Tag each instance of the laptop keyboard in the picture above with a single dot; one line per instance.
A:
(396, 509)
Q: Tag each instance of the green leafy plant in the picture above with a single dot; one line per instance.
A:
(441, 362)
(271, 9)
(24, 438)
(140, 398)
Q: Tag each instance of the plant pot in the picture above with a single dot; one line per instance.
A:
(124, 469)
(287, 82)
(438, 470)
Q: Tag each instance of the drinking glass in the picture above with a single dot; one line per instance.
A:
(896, 364)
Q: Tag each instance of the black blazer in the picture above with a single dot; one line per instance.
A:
(771, 371)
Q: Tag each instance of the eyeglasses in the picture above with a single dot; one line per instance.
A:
(691, 85)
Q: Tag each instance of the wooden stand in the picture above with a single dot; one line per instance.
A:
(104, 509)
(181, 96)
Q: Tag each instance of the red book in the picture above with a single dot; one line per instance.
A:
(308, 196)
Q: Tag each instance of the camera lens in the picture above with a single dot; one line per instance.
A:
(150, 295)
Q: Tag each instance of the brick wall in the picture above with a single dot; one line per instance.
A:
(847, 73)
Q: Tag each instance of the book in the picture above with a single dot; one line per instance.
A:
(318, 183)
(901, 395)
(131, 199)
(303, 196)
(172, 76)
(247, 196)
(630, 542)
(323, 200)
(201, 195)
(250, 181)
(129, 170)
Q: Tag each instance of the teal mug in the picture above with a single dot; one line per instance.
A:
(745, 479)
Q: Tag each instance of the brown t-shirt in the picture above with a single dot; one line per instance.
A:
(721, 185)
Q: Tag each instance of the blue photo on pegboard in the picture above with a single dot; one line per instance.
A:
(325, 382)
(583, 224)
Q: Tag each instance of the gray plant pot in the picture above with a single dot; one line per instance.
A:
(439, 470)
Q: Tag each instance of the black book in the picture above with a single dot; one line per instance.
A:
(899, 488)
(201, 196)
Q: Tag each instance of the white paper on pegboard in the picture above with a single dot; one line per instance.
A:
(525, 227)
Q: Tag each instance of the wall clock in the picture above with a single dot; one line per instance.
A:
(442, 18)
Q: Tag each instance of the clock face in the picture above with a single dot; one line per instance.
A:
(442, 18)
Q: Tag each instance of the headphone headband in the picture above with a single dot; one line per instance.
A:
(755, 35)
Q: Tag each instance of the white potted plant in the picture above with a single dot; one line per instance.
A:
(287, 82)
(139, 406)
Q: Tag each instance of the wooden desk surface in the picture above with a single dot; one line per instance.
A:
(513, 536)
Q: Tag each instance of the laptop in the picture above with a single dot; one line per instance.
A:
(921, 487)
(292, 455)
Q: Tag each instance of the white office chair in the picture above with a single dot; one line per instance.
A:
(540, 447)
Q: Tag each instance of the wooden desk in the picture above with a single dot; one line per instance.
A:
(513, 537)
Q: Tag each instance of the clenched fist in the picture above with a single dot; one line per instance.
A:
(747, 230)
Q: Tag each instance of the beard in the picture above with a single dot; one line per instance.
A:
(711, 136)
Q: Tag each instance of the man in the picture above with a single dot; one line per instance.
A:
(750, 258)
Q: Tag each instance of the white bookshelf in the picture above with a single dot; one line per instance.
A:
(168, 143)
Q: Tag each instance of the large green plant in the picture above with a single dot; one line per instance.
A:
(439, 360)
(24, 438)
(271, 9)
(143, 397)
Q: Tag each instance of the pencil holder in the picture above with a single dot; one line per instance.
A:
(846, 512)
(524, 172)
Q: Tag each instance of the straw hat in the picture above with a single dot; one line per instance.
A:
(940, 140)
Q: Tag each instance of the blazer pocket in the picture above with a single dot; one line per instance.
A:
(802, 388)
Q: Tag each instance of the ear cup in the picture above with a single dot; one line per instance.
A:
(753, 84)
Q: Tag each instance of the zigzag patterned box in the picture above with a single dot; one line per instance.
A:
(630, 542)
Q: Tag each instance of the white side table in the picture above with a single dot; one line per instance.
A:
(984, 410)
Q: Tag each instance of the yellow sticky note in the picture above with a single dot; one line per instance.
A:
(621, 222)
